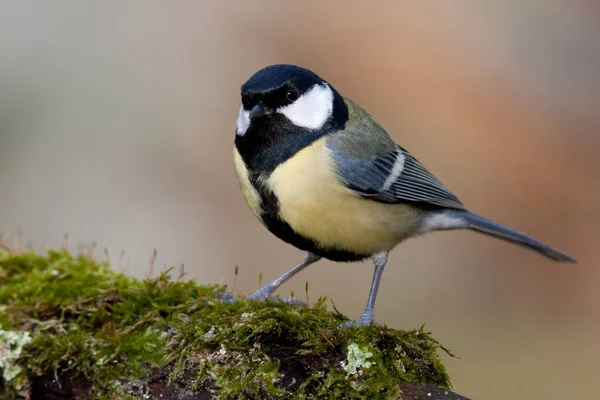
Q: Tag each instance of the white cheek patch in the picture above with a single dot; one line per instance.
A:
(243, 122)
(312, 109)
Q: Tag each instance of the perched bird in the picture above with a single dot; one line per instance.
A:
(322, 175)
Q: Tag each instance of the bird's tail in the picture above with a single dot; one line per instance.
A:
(488, 227)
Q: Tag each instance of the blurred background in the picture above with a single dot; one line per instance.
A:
(117, 121)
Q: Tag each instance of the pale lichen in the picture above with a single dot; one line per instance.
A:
(357, 359)
(11, 347)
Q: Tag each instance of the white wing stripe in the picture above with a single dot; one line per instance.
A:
(396, 171)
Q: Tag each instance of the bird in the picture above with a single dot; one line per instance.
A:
(320, 173)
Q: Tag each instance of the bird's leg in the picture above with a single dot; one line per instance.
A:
(368, 315)
(267, 290)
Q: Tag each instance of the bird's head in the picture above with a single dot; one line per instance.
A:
(285, 97)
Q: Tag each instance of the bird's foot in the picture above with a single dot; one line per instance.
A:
(354, 324)
(262, 294)
(226, 298)
(366, 319)
(266, 293)
(294, 301)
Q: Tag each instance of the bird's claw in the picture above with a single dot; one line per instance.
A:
(228, 298)
(290, 300)
(260, 296)
(364, 320)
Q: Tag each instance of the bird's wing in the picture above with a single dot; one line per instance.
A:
(372, 165)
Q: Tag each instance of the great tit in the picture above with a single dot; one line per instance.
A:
(322, 175)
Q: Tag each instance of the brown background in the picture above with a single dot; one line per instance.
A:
(117, 121)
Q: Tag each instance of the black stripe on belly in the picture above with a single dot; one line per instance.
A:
(281, 229)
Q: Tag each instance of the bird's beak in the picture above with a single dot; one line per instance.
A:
(260, 110)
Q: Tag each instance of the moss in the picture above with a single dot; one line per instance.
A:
(119, 337)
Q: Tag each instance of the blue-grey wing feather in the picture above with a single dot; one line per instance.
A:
(417, 184)
(368, 177)
(366, 156)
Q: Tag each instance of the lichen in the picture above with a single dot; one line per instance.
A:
(120, 336)
(11, 346)
(358, 358)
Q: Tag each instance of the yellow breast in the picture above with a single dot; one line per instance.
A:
(316, 205)
(250, 194)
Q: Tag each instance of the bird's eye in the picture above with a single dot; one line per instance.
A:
(292, 94)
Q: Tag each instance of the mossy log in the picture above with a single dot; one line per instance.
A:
(71, 327)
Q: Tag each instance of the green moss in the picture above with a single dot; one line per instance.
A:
(115, 332)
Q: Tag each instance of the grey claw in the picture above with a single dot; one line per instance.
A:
(262, 294)
(291, 300)
(259, 296)
(360, 322)
(229, 298)
(350, 324)
(226, 298)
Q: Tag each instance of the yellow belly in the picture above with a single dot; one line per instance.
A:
(317, 206)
